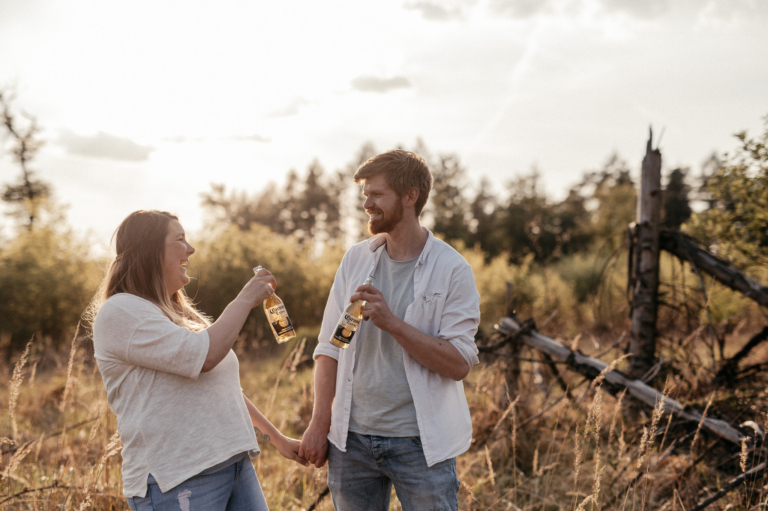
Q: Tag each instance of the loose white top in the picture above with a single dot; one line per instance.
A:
(446, 305)
(174, 421)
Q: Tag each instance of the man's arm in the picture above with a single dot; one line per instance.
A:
(436, 354)
(314, 442)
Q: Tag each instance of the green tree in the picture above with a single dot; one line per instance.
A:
(28, 195)
(448, 207)
(676, 207)
(611, 199)
(737, 221)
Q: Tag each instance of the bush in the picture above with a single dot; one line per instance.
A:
(225, 260)
(46, 280)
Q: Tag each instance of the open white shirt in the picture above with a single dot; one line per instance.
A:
(446, 305)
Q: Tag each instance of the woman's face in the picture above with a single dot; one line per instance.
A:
(177, 252)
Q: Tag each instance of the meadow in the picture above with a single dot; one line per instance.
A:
(554, 442)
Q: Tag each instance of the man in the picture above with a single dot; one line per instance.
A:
(392, 404)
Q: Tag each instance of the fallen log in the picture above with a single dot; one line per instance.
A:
(615, 381)
(686, 250)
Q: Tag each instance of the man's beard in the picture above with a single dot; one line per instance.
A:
(386, 223)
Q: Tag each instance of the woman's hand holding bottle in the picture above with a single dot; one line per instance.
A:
(259, 288)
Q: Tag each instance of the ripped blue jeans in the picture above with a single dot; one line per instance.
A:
(233, 488)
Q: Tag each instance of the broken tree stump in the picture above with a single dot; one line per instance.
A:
(642, 344)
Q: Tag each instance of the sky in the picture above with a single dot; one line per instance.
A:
(145, 104)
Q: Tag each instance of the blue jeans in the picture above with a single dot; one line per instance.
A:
(362, 477)
(233, 488)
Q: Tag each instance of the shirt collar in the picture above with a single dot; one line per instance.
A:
(375, 242)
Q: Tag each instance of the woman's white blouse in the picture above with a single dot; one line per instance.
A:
(174, 421)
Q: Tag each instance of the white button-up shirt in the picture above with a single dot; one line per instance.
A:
(446, 305)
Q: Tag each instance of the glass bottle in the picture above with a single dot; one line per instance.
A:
(349, 321)
(277, 317)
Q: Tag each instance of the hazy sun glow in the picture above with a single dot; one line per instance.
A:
(144, 104)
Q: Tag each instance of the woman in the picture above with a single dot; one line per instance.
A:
(172, 379)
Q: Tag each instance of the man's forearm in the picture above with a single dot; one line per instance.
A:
(435, 354)
(325, 389)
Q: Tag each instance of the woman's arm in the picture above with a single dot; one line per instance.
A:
(287, 447)
(223, 333)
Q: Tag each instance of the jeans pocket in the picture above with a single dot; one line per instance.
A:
(140, 503)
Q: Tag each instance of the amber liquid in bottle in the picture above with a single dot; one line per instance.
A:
(349, 322)
(277, 317)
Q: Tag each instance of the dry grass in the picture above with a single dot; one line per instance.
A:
(583, 453)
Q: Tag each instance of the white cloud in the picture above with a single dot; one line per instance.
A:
(249, 138)
(519, 8)
(103, 145)
(367, 83)
(434, 11)
(291, 108)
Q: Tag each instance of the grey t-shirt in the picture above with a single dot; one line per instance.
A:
(382, 403)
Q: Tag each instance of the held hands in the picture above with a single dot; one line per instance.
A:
(289, 449)
(314, 444)
(258, 288)
(376, 309)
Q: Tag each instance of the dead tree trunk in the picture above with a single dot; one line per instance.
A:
(685, 249)
(642, 345)
(615, 381)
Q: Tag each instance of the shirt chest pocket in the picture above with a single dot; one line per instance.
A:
(428, 310)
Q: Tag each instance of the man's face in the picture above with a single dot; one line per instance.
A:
(382, 205)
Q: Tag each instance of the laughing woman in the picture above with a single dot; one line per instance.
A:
(172, 380)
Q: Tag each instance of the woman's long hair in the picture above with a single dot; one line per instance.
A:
(137, 269)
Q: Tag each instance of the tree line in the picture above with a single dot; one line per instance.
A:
(300, 227)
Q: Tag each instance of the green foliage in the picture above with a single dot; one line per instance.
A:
(47, 278)
(739, 215)
(676, 208)
(307, 210)
(224, 261)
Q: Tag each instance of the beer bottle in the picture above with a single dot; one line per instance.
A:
(349, 321)
(277, 317)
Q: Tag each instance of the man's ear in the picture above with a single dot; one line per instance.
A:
(411, 196)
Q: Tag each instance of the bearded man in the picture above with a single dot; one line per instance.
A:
(392, 404)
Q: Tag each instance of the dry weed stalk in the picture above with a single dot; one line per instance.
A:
(491, 475)
(578, 458)
(701, 422)
(596, 414)
(32, 374)
(68, 384)
(113, 447)
(743, 455)
(16, 459)
(16, 381)
(286, 365)
(616, 409)
(514, 446)
(622, 443)
(646, 442)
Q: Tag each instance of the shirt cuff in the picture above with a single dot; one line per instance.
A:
(327, 349)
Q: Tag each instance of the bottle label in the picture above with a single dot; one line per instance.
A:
(278, 316)
(346, 328)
